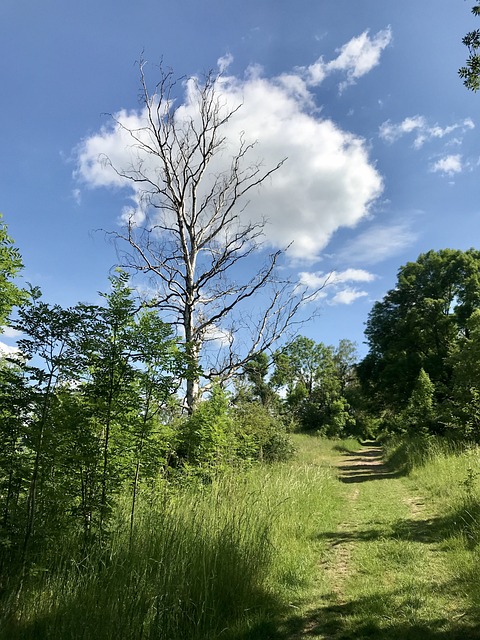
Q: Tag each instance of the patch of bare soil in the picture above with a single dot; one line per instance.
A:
(416, 504)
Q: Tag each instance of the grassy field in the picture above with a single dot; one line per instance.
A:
(222, 560)
(332, 545)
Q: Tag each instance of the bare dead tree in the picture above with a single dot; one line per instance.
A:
(193, 233)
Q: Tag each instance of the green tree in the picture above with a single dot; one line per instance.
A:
(345, 358)
(16, 396)
(160, 367)
(48, 342)
(10, 265)
(315, 376)
(465, 398)
(470, 73)
(256, 372)
(419, 414)
(107, 345)
(300, 365)
(417, 323)
(84, 417)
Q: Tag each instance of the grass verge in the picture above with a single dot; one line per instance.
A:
(447, 475)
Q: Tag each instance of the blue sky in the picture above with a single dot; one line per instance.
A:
(364, 99)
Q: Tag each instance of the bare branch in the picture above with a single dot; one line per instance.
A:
(193, 184)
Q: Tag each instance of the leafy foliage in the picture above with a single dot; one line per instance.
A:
(422, 367)
(260, 433)
(80, 413)
(470, 73)
(417, 323)
(419, 414)
(10, 265)
(317, 379)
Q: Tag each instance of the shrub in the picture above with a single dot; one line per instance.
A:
(260, 435)
(206, 438)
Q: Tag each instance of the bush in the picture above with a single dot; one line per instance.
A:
(260, 435)
(207, 438)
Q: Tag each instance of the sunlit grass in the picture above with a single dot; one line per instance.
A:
(276, 552)
(402, 564)
(451, 482)
(204, 562)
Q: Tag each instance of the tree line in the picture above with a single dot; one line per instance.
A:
(93, 408)
(93, 413)
(422, 369)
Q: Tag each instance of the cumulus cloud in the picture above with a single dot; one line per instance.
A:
(355, 58)
(335, 282)
(327, 182)
(347, 296)
(422, 130)
(449, 165)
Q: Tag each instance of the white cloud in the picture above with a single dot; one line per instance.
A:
(313, 280)
(8, 332)
(448, 165)
(353, 275)
(6, 350)
(334, 282)
(224, 62)
(218, 336)
(347, 296)
(392, 132)
(327, 182)
(355, 58)
(319, 278)
(423, 131)
(378, 243)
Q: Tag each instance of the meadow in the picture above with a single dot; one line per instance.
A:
(282, 551)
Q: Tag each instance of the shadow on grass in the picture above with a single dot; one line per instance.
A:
(365, 465)
(77, 622)
(398, 614)
(366, 473)
(381, 616)
(354, 452)
(426, 530)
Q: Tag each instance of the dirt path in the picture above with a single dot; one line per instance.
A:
(387, 575)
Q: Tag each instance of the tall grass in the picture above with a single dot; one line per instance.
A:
(204, 562)
(448, 476)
